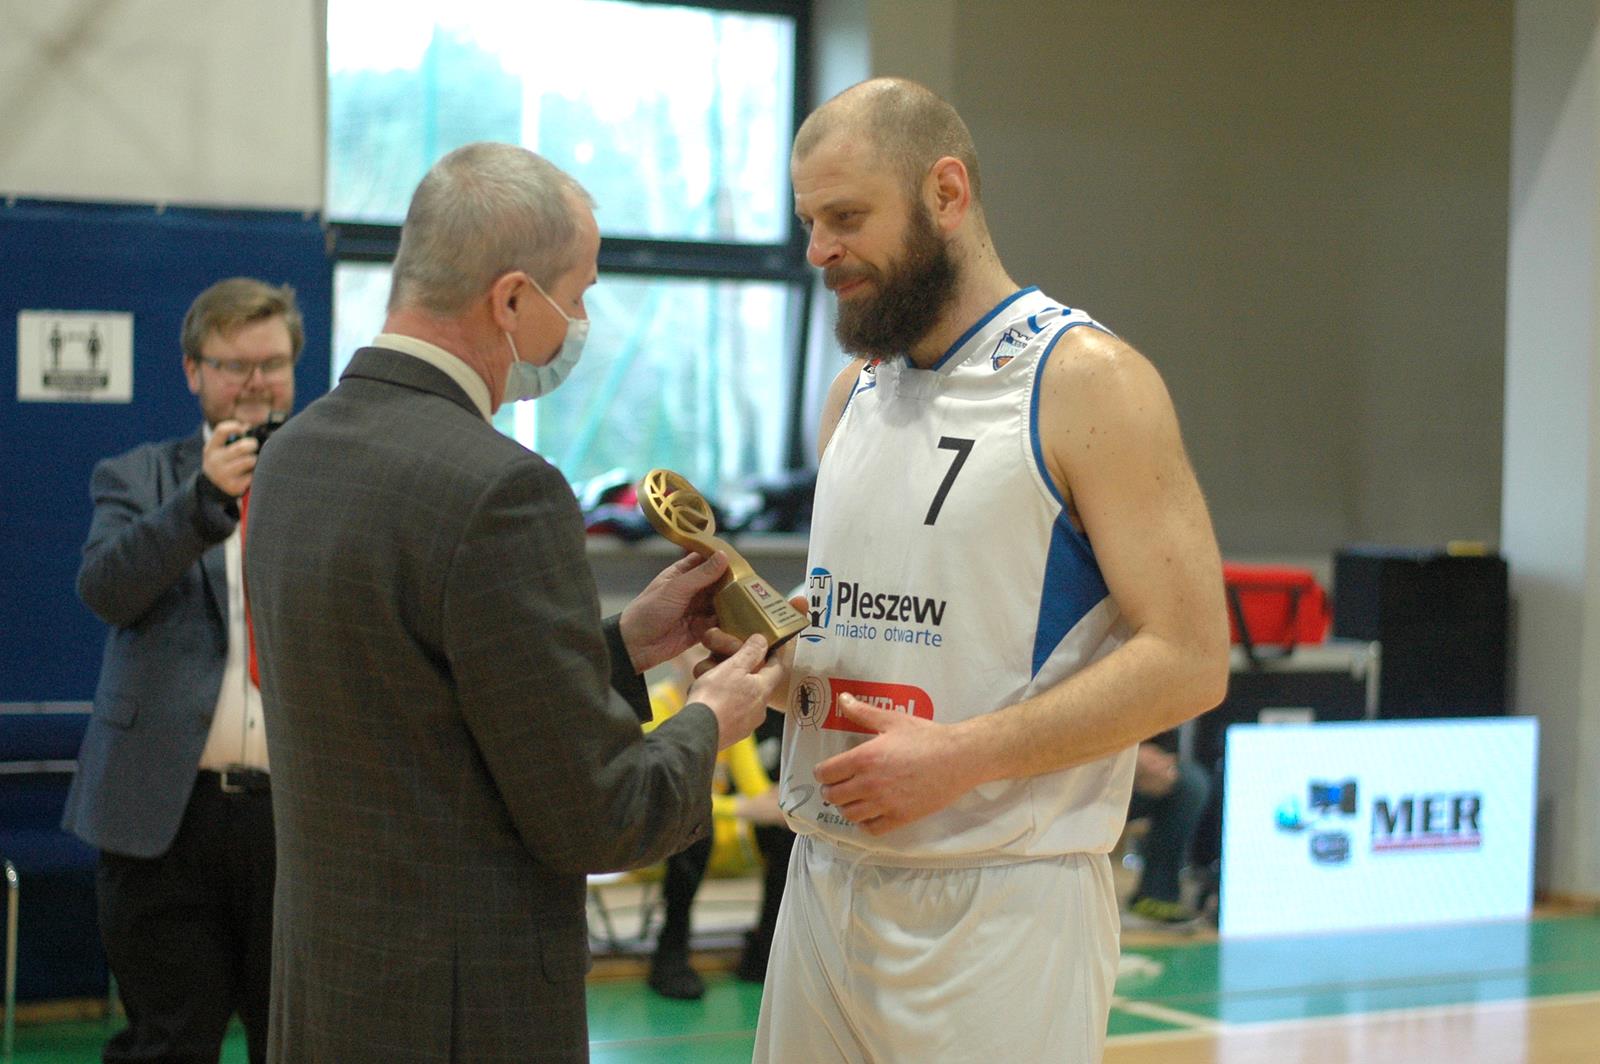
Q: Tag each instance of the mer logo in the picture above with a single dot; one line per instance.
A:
(1329, 804)
(1427, 822)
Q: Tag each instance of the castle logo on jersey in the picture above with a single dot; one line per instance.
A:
(819, 605)
(1011, 344)
(850, 610)
(816, 701)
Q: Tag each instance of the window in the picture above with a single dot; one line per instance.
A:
(677, 118)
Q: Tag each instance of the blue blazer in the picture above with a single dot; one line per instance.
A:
(153, 570)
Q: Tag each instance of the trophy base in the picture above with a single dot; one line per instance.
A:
(750, 606)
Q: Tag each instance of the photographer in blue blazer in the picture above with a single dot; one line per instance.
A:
(172, 783)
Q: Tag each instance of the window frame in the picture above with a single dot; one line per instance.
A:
(778, 262)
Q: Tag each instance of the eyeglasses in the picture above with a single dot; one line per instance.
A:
(239, 369)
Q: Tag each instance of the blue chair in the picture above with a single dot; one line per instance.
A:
(38, 755)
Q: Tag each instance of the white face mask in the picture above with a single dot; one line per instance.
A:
(524, 380)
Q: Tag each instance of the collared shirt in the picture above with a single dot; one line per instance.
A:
(441, 359)
(238, 732)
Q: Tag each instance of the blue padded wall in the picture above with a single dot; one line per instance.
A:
(150, 262)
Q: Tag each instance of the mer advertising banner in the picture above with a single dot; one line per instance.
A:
(1345, 826)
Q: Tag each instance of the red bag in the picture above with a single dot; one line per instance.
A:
(1275, 604)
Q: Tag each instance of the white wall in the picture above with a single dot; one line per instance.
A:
(1297, 210)
(204, 102)
(1551, 522)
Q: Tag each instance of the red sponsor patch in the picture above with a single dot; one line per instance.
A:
(898, 697)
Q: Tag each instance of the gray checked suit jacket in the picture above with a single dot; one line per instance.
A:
(448, 761)
(153, 570)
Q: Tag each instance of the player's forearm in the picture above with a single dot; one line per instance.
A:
(1144, 687)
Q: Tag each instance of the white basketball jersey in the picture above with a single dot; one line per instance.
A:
(946, 582)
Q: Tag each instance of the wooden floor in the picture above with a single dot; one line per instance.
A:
(1516, 992)
(1520, 992)
(1562, 1030)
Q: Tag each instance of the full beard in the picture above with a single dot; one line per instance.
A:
(909, 300)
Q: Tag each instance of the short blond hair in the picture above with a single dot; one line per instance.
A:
(229, 305)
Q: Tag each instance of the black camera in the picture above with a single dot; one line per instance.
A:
(260, 433)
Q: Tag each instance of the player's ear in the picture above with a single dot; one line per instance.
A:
(947, 192)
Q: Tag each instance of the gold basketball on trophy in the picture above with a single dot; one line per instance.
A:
(745, 603)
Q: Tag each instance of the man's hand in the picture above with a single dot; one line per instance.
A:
(738, 689)
(1156, 771)
(721, 645)
(674, 610)
(229, 465)
(909, 769)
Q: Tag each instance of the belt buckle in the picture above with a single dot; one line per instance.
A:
(228, 787)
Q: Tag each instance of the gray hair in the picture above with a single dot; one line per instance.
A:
(483, 210)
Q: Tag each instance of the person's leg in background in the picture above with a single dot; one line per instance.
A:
(254, 860)
(1174, 816)
(775, 843)
(670, 972)
(168, 930)
(1206, 850)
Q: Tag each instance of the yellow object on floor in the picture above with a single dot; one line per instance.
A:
(739, 776)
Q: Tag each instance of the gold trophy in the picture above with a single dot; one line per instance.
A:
(745, 603)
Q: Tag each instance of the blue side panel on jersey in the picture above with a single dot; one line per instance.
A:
(1072, 582)
(1072, 587)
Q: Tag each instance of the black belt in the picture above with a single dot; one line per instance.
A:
(238, 780)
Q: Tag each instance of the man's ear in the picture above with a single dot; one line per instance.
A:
(949, 192)
(504, 299)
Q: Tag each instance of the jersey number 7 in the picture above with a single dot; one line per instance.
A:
(962, 447)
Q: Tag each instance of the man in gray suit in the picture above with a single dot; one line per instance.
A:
(448, 762)
(171, 782)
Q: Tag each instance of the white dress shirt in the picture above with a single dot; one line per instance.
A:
(441, 359)
(238, 734)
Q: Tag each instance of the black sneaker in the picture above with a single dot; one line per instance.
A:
(672, 977)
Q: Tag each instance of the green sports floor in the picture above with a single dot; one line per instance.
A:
(1164, 985)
